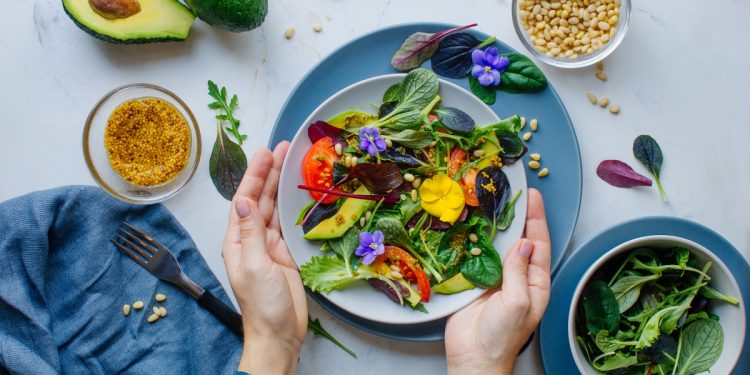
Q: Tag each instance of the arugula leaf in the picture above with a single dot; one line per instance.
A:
(648, 152)
(221, 103)
(614, 360)
(396, 234)
(712, 293)
(700, 346)
(521, 76)
(327, 273)
(316, 328)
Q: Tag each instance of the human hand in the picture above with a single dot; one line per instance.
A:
(486, 336)
(263, 275)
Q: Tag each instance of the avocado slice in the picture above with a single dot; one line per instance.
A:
(352, 119)
(455, 284)
(231, 15)
(157, 21)
(490, 146)
(413, 298)
(349, 212)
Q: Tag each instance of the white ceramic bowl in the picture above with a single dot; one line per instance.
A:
(359, 298)
(732, 318)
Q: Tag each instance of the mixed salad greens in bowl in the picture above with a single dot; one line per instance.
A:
(398, 194)
(657, 305)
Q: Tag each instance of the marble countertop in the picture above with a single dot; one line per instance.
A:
(678, 75)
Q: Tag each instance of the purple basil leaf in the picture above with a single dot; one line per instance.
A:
(617, 173)
(322, 129)
(419, 47)
(378, 178)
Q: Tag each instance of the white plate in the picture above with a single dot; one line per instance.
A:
(359, 298)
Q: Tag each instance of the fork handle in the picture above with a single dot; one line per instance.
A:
(226, 314)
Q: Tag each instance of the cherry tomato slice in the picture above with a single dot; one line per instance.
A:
(317, 168)
(409, 269)
(458, 156)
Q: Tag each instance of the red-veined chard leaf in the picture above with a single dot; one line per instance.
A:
(486, 94)
(378, 178)
(453, 57)
(493, 191)
(322, 129)
(619, 174)
(227, 164)
(648, 152)
(521, 76)
(419, 47)
(455, 119)
(394, 196)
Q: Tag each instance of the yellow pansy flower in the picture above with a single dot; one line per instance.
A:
(442, 197)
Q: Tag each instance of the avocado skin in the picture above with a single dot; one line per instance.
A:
(231, 15)
(112, 40)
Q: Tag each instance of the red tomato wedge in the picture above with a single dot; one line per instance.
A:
(458, 156)
(317, 168)
(409, 269)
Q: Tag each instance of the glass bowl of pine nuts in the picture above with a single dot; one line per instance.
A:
(141, 143)
(571, 33)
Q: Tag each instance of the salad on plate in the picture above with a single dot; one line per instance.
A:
(409, 198)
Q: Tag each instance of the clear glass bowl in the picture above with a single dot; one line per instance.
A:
(96, 154)
(582, 60)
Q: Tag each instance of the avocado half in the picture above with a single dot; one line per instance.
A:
(158, 21)
(231, 15)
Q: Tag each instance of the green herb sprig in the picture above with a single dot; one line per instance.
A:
(316, 328)
(221, 105)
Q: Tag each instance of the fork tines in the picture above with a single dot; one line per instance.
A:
(133, 241)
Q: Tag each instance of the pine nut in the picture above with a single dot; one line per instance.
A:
(395, 268)
(339, 149)
(523, 122)
(388, 143)
(162, 311)
(409, 177)
(403, 197)
(535, 156)
(534, 124)
(475, 251)
(478, 153)
(417, 182)
(534, 164)
(473, 237)
(600, 66)
(160, 297)
(362, 221)
(603, 102)
(544, 172)
(155, 310)
(348, 161)
(138, 305)
(413, 195)
(153, 318)
(368, 215)
(289, 33)
(526, 136)
(591, 97)
(317, 28)
(614, 109)
(601, 75)
(355, 161)
(397, 275)
(126, 309)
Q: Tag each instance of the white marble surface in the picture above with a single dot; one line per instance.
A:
(681, 75)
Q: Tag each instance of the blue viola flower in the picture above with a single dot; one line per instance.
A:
(370, 140)
(370, 246)
(488, 66)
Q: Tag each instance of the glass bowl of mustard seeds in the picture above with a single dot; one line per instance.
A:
(141, 143)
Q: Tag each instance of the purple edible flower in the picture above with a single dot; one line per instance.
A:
(370, 246)
(488, 65)
(370, 140)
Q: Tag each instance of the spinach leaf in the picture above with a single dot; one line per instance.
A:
(418, 89)
(701, 344)
(509, 213)
(392, 93)
(484, 270)
(486, 94)
(455, 119)
(628, 289)
(512, 148)
(521, 76)
(493, 191)
(453, 56)
(712, 293)
(414, 139)
(648, 152)
(314, 326)
(345, 245)
(600, 307)
(227, 164)
(419, 47)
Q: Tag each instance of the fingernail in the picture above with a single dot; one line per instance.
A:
(243, 208)
(526, 248)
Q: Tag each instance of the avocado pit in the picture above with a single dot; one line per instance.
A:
(115, 9)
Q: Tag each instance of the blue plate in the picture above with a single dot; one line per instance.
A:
(553, 335)
(370, 56)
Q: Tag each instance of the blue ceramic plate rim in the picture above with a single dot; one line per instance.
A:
(553, 331)
(430, 331)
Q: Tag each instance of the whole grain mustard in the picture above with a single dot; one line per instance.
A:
(147, 141)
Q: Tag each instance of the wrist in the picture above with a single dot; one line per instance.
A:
(269, 355)
(480, 366)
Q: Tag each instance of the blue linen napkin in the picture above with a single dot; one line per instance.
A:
(63, 286)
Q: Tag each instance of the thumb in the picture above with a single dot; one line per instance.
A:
(252, 231)
(515, 272)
